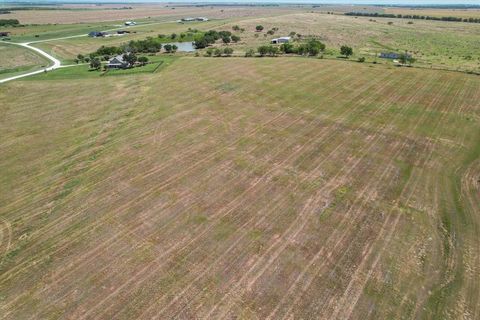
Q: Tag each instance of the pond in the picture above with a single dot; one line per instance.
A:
(183, 46)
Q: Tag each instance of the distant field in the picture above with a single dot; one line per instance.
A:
(461, 13)
(441, 44)
(275, 188)
(434, 43)
(15, 60)
(98, 14)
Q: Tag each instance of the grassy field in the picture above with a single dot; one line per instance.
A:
(17, 60)
(242, 188)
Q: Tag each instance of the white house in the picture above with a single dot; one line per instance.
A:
(130, 23)
(117, 63)
(281, 40)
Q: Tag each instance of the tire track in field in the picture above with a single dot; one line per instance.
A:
(5, 239)
(290, 124)
(207, 230)
(282, 242)
(347, 79)
(430, 185)
(344, 309)
(330, 185)
(398, 152)
(327, 70)
(244, 230)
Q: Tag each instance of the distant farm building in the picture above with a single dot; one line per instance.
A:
(96, 34)
(392, 55)
(193, 19)
(281, 40)
(117, 63)
(130, 23)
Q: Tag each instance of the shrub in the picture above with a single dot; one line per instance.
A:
(143, 60)
(287, 48)
(250, 53)
(361, 59)
(235, 38)
(217, 52)
(209, 52)
(228, 51)
(259, 28)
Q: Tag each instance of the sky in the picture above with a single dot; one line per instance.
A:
(383, 2)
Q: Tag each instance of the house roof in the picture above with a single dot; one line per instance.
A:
(117, 60)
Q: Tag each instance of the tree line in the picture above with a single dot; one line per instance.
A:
(210, 37)
(409, 16)
(9, 22)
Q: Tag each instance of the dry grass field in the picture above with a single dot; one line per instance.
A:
(112, 13)
(460, 13)
(242, 189)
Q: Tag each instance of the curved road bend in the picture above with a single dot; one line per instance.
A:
(55, 63)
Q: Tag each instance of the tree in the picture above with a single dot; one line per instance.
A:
(130, 58)
(235, 38)
(143, 60)
(200, 43)
(405, 58)
(217, 52)
(168, 48)
(173, 36)
(228, 51)
(80, 57)
(95, 64)
(250, 53)
(235, 28)
(346, 51)
(259, 28)
(311, 48)
(287, 48)
(226, 39)
(174, 48)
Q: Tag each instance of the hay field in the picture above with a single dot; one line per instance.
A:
(242, 188)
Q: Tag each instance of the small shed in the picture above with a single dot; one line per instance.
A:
(392, 55)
